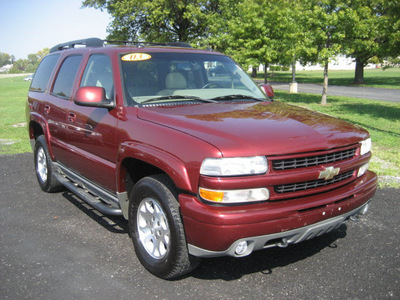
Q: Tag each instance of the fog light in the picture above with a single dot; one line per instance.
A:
(241, 248)
(362, 170)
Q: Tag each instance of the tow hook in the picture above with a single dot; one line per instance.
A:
(283, 243)
(354, 218)
(362, 211)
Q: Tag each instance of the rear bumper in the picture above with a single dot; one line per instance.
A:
(215, 231)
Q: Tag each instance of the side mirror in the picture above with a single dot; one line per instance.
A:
(92, 96)
(268, 90)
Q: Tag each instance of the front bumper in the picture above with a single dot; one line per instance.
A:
(282, 239)
(216, 231)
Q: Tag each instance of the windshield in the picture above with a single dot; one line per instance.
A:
(164, 77)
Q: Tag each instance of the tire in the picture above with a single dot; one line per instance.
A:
(44, 167)
(156, 228)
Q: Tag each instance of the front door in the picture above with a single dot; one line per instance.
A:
(91, 130)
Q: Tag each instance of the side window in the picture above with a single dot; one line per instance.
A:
(98, 72)
(41, 79)
(65, 78)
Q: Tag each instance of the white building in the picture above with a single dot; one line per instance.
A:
(341, 62)
(5, 68)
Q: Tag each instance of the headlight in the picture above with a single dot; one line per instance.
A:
(366, 146)
(234, 196)
(235, 166)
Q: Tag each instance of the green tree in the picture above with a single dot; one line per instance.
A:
(19, 66)
(29, 65)
(5, 59)
(240, 31)
(257, 32)
(33, 58)
(38, 56)
(323, 23)
(372, 29)
(156, 20)
(294, 39)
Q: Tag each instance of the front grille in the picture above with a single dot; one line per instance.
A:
(304, 162)
(294, 187)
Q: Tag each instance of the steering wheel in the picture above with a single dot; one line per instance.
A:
(211, 84)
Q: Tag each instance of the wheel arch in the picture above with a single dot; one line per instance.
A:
(37, 127)
(133, 169)
(138, 161)
(35, 130)
(148, 160)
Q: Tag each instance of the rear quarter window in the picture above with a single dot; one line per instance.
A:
(40, 81)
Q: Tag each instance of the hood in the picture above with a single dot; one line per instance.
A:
(247, 129)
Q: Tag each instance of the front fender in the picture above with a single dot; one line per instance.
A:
(170, 164)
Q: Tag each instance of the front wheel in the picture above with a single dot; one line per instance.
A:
(156, 228)
(44, 167)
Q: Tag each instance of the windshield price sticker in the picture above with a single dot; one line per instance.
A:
(136, 57)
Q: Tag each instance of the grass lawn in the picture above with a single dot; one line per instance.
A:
(380, 118)
(13, 132)
(389, 78)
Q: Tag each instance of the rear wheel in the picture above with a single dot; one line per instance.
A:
(44, 167)
(156, 228)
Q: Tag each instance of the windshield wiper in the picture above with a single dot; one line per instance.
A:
(238, 96)
(178, 97)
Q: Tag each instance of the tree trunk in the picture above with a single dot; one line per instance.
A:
(294, 69)
(293, 84)
(266, 73)
(254, 72)
(325, 86)
(359, 74)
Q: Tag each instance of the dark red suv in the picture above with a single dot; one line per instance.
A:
(201, 163)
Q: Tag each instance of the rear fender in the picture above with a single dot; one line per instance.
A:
(42, 122)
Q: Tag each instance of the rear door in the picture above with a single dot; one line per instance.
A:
(57, 106)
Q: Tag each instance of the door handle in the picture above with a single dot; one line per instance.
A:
(47, 109)
(71, 117)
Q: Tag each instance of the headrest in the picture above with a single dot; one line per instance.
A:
(175, 81)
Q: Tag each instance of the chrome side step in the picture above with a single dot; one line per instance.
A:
(100, 199)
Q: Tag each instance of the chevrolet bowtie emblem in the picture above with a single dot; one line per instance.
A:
(329, 173)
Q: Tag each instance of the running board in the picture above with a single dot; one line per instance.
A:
(87, 197)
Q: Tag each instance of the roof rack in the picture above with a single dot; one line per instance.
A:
(142, 44)
(96, 42)
(91, 42)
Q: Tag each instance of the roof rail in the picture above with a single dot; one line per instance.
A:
(141, 44)
(91, 42)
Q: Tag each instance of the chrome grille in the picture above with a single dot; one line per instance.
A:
(304, 162)
(294, 187)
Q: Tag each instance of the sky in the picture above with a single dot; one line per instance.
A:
(28, 26)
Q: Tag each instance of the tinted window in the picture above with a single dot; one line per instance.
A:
(41, 79)
(98, 72)
(66, 75)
